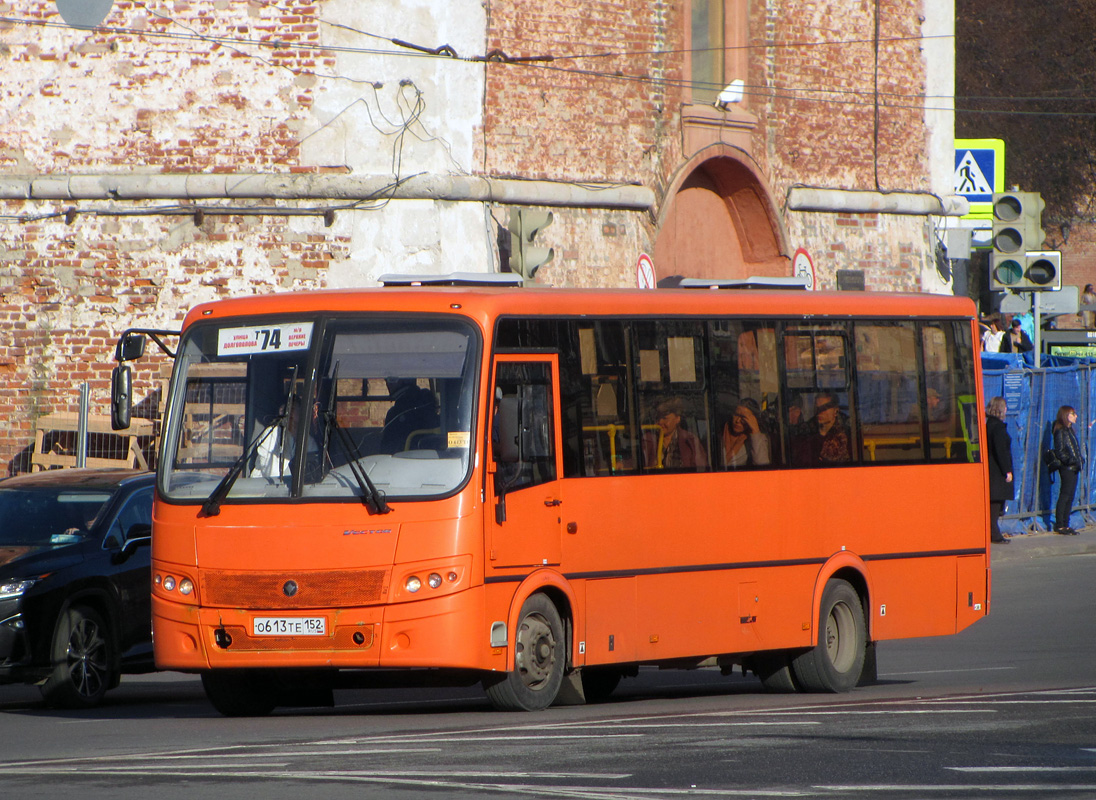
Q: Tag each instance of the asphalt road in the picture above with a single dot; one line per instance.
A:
(1005, 709)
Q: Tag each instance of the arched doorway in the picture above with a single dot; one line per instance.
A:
(720, 222)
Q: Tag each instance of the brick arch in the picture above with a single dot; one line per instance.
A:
(719, 221)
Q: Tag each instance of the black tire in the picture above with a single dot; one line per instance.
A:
(83, 660)
(240, 693)
(599, 682)
(870, 673)
(775, 672)
(835, 663)
(540, 658)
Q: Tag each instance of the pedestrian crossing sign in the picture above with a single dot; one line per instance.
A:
(979, 172)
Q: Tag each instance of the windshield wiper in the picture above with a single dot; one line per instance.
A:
(212, 506)
(372, 497)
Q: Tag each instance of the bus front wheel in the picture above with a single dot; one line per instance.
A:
(539, 660)
(835, 663)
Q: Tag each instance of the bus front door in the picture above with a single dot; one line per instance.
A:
(525, 528)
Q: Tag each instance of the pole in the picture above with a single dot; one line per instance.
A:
(1038, 330)
(82, 427)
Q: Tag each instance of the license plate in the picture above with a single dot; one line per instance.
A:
(289, 626)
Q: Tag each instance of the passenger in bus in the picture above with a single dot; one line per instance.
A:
(745, 441)
(413, 409)
(826, 439)
(938, 409)
(673, 447)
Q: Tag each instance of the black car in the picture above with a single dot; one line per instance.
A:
(75, 603)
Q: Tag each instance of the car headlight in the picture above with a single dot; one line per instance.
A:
(15, 588)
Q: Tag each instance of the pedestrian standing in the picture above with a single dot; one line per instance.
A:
(993, 335)
(999, 450)
(1016, 340)
(1068, 451)
(1088, 298)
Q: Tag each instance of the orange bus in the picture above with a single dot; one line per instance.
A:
(544, 490)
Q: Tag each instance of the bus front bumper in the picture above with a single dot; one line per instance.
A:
(445, 632)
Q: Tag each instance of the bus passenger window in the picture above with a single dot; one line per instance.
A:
(820, 413)
(948, 353)
(745, 387)
(672, 392)
(522, 427)
(887, 390)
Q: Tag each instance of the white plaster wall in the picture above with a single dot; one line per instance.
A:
(399, 114)
(939, 56)
(416, 237)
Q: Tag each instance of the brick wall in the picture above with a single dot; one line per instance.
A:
(580, 117)
(122, 102)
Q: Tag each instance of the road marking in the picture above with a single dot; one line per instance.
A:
(945, 671)
(954, 790)
(1022, 769)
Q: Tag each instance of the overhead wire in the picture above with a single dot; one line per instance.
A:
(547, 62)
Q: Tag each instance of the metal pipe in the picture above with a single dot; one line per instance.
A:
(806, 198)
(82, 426)
(456, 188)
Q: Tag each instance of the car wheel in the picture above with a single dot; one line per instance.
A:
(82, 658)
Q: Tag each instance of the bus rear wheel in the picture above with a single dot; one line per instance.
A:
(836, 662)
(539, 660)
(239, 693)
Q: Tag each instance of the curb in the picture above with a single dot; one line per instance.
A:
(1043, 545)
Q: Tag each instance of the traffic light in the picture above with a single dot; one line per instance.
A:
(1017, 222)
(525, 257)
(1031, 271)
(1017, 263)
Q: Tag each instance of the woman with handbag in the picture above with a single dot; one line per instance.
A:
(1070, 461)
(999, 451)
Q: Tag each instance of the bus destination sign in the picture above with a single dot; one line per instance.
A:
(255, 339)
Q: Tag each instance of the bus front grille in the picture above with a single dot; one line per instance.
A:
(319, 589)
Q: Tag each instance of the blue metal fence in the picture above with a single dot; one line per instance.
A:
(1034, 397)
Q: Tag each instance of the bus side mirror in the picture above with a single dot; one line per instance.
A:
(130, 347)
(121, 394)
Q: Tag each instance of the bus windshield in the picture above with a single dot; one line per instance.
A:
(321, 408)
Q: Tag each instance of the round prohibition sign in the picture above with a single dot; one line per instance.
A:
(645, 272)
(803, 267)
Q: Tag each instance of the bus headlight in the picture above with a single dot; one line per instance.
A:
(165, 585)
(423, 580)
